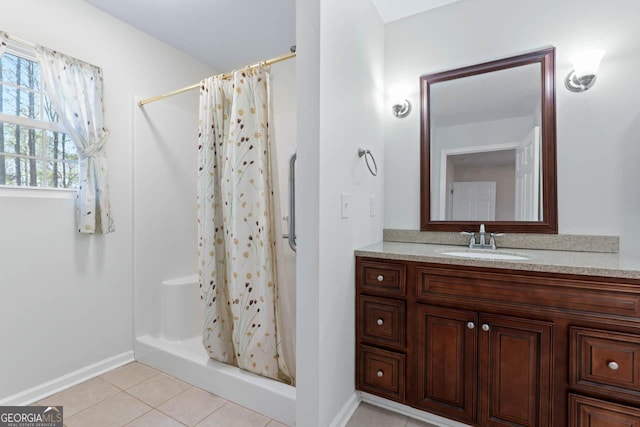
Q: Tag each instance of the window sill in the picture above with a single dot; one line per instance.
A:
(38, 193)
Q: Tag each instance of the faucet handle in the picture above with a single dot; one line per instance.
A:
(492, 240)
(472, 241)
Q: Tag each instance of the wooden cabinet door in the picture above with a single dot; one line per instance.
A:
(446, 363)
(514, 372)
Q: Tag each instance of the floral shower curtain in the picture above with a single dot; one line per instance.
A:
(75, 90)
(236, 242)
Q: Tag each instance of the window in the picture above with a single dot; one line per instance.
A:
(34, 150)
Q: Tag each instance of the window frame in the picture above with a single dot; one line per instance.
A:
(27, 53)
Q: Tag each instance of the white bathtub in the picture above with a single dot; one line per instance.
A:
(178, 351)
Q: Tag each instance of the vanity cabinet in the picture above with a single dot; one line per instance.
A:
(496, 347)
(508, 358)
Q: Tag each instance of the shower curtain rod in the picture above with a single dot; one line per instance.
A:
(224, 76)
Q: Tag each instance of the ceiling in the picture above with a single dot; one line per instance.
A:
(228, 34)
(392, 10)
(225, 34)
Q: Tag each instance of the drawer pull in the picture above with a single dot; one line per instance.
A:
(380, 278)
(613, 366)
(485, 327)
(471, 325)
(380, 374)
(379, 322)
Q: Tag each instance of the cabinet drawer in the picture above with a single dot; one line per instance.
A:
(602, 297)
(588, 412)
(383, 278)
(382, 373)
(382, 321)
(603, 359)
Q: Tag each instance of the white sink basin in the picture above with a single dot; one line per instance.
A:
(485, 254)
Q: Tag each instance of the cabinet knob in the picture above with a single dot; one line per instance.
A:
(613, 366)
(380, 374)
(380, 322)
(485, 327)
(471, 325)
(380, 278)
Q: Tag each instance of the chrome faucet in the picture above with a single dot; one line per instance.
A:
(481, 233)
(483, 242)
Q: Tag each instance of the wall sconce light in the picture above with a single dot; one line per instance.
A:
(401, 110)
(585, 70)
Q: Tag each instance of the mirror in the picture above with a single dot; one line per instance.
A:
(488, 151)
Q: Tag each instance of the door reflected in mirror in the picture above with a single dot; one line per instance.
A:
(488, 153)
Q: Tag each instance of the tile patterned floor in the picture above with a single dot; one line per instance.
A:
(136, 395)
(372, 416)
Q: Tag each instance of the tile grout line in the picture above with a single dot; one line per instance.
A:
(164, 401)
(132, 385)
(213, 412)
(92, 405)
(200, 420)
(109, 397)
(152, 409)
(141, 415)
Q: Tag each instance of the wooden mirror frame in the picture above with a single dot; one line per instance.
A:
(549, 223)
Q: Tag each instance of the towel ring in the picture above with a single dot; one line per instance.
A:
(367, 154)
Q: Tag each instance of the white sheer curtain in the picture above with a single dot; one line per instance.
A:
(75, 90)
(236, 228)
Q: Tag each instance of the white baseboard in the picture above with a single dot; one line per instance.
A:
(43, 390)
(409, 411)
(345, 414)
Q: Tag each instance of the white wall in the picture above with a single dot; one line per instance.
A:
(66, 299)
(345, 40)
(596, 130)
(308, 209)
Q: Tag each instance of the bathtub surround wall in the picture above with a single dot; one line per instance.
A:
(164, 211)
(66, 299)
(596, 130)
(340, 90)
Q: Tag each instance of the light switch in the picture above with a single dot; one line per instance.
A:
(345, 208)
(372, 205)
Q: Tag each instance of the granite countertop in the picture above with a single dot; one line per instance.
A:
(551, 261)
